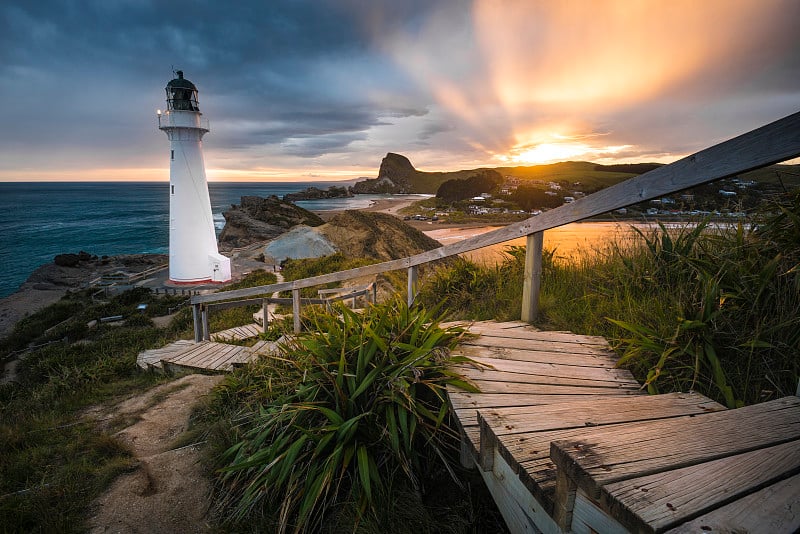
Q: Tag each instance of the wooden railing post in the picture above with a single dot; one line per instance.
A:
(206, 329)
(532, 277)
(375, 294)
(198, 325)
(412, 284)
(264, 313)
(296, 309)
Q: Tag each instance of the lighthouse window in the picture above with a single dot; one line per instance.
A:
(172, 189)
(171, 154)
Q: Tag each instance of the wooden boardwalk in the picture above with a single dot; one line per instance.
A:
(568, 443)
(207, 356)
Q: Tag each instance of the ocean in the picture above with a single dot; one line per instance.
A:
(40, 220)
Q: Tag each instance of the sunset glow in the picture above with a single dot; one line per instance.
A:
(322, 91)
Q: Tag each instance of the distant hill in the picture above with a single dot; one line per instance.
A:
(397, 175)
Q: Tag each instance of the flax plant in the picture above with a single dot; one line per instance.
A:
(349, 408)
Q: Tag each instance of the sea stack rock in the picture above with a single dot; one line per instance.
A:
(394, 177)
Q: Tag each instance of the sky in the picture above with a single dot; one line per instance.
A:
(321, 90)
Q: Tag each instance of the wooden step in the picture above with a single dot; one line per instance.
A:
(657, 475)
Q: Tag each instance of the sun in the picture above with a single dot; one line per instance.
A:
(549, 152)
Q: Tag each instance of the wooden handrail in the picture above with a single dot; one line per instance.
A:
(767, 145)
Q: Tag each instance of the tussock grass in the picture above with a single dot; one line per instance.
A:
(347, 430)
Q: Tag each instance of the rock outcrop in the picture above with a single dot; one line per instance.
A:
(260, 219)
(314, 193)
(298, 243)
(377, 235)
(356, 234)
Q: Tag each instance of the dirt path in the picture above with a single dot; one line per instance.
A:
(168, 492)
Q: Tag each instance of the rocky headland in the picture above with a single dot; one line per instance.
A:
(356, 234)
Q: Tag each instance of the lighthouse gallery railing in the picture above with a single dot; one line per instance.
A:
(770, 144)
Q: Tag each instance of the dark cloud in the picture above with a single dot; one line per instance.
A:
(343, 79)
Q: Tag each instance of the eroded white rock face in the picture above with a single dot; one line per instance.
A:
(298, 243)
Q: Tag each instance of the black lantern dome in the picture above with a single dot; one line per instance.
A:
(181, 94)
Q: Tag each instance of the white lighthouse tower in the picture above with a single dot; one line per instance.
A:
(193, 254)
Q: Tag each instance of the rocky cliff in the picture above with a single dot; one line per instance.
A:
(259, 219)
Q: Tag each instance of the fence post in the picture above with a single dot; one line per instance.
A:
(374, 292)
(198, 327)
(412, 284)
(296, 309)
(206, 329)
(532, 277)
(264, 313)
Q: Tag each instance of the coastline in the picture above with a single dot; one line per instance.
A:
(49, 283)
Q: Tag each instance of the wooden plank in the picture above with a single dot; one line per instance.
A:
(534, 388)
(197, 358)
(772, 143)
(658, 502)
(482, 375)
(535, 344)
(588, 518)
(581, 414)
(199, 348)
(463, 400)
(541, 356)
(504, 325)
(521, 511)
(524, 439)
(774, 509)
(615, 454)
(511, 367)
(223, 357)
(543, 335)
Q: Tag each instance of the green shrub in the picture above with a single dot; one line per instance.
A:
(349, 410)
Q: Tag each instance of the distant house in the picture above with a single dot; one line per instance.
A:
(727, 193)
(569, 200)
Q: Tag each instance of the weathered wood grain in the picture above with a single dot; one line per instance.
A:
(581, 414)
(526, 331)
(599, 359)
(536, 344)
(462, 400)
(775, 509)
(511, 367)
(658, 502)
(615, 454)
(535, 387)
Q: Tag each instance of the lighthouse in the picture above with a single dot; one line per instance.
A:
(193, 254)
